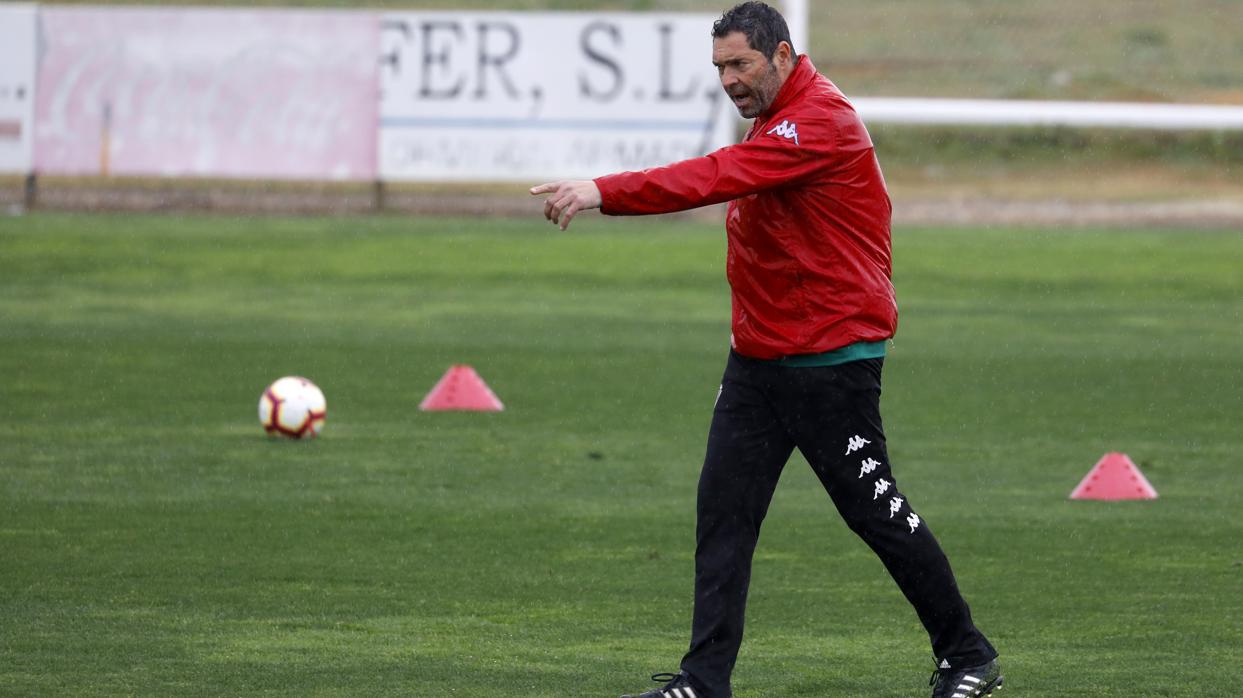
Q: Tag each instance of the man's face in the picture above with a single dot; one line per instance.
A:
(750, 79)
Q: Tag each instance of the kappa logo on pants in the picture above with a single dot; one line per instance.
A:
(855, 443)
(882, 486)
(895, 505)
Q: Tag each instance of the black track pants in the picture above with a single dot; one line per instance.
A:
(832, 415)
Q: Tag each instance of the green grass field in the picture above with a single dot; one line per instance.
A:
(153, 542)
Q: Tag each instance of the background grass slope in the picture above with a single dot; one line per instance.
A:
(1145, 50)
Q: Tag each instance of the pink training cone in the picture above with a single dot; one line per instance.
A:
(461, 389)
(1114, 477)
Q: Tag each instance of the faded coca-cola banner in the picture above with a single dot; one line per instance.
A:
(283, 94)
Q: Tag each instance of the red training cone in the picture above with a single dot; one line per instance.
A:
(461, 389)
(1114, 477)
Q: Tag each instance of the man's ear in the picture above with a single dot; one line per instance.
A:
(783, 57)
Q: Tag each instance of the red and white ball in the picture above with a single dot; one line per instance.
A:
(293, 407)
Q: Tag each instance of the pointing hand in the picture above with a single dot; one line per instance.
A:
(566, 198)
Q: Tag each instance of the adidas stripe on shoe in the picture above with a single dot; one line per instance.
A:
(966, 682)
(676, 686)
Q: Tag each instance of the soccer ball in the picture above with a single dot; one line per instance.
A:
(294, 407)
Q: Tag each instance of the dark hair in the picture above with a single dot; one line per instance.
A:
(763, 26)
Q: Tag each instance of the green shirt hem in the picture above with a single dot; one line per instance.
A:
(850, 352)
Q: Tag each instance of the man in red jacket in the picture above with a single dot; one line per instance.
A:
(809, 271)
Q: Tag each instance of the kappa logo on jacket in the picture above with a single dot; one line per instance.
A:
(786, 129)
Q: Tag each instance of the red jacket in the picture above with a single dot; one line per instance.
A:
(807, 226)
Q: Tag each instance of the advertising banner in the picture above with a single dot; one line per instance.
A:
(17, 87)
(281, 94)
(525, 97)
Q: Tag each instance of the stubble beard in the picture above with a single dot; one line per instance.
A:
(762, 93)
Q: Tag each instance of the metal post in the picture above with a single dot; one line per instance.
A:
(31, 195)
(377, 198)
(798, 19)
